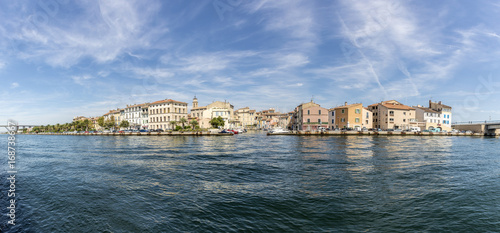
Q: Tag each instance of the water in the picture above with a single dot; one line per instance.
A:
(255, 183)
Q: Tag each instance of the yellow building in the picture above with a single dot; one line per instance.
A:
(350, 116)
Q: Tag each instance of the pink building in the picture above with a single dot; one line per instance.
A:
(309, 117)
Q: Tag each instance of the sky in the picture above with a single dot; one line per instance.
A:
(60, 59)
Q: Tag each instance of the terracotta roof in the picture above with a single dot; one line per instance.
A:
(348, 106)
(168, 101)
(398, 106)
(427, 109)
(204, 107)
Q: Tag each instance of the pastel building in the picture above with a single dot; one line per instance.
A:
(163, 112)
(309, 117)
(245, 117)
(350, 116)
(393, 115)
(206, 113)
(446, 115)
(428, 119)
(134, 114)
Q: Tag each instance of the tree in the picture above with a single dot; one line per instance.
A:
(173, 123)
(124, 124)
(193, 123)
(183, 121)
(86, 124)
(216, 122)
(100, 121)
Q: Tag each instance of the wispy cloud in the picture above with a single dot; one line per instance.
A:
(14, 85)
(81, 80)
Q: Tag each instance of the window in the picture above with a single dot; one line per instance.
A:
(319, 112)
(404, 113)
(333, 113)
(358, 111)
(357, 120)
(308, 112)
(319, 121)
(367, 115)
(404, 120)
(343, 119)
(391, 113)
(391, 119)
(333, 121)
(308, 120)
(343, 110)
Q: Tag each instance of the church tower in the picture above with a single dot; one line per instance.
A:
(195, 102)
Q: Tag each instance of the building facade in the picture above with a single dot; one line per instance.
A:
(206, 113)
(134, 114)
(163, 113)
(309, 117)
(446, 114)
(245, 117)
(349, 116)
(393, 115)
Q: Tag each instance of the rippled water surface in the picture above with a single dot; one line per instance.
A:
(255, 183)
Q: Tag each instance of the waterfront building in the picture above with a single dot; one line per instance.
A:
(245, 117)
(309, 116)
(136, 115)
(267, 119)
(392, 115)
(446, 115)
(206, 113)
(163, 112)
(428, 119)
(133, 115)
(79, 118)
(350, 116)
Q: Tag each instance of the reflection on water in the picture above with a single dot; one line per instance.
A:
(253, 182)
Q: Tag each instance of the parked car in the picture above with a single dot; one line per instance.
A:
(143, 130)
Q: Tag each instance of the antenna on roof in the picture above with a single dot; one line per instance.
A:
(312, 98)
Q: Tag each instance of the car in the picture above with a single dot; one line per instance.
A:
(121, 131)
(468, 131)
(397, 130)
(390, 130)
(143, 130)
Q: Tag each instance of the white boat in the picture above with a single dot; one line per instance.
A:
(278, 131)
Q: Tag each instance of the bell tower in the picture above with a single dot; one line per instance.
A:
(195, 102)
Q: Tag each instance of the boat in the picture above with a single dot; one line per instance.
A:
(279, 131)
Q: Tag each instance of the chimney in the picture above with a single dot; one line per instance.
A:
(439, 102)
(345, 104)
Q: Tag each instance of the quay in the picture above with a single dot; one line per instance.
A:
(178, 133)
(380, 133)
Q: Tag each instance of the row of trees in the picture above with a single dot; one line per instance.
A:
(86, 125)
(78, 126)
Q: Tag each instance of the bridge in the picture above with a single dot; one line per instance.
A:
(485, 127)
(17, 126)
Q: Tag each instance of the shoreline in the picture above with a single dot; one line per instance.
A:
(295, 133)
(382, 133)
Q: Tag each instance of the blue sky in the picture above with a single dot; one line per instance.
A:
(62, 59)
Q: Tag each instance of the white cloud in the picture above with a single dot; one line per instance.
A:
(80, 80)
(103, 31)
(14, 85)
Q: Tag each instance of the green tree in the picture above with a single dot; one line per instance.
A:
(100, 121)
(86, 124)
(173, 123)
(193, 123)
(216, 122)
(183, 121)
(124, 124)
